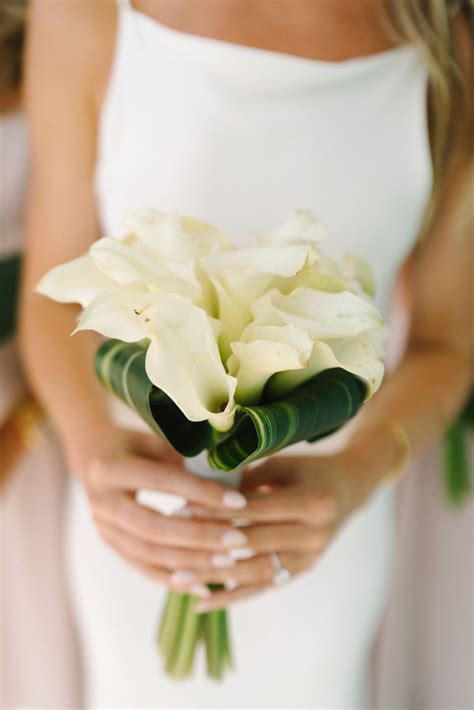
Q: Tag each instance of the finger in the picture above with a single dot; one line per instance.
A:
(273, 471)
(159, 575)
(296, 503)
(258, 570)
(285, 537)
(122, 511)
(134, 473)
(154, 447)
(168, 558)
(223, 599)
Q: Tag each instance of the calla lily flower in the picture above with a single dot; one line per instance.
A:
(262, 351)
(241, 276)
(321, 314)
(172, 237)
(77, 281)
(182, 357)
(357, 355)
(301, 227)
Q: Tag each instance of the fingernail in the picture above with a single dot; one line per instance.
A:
(222, 560)
(183, 577)
(230, 585)
(234, 499)
(233, 537)
(201, 591)
(244, 553)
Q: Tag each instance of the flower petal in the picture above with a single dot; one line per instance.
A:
(355, 268)
(77, 281)
(263, 351)
(184, 361)
(321, 314)
(357, 355)
(172, 237)
(116, 315)
(301, 227)
(276, 260)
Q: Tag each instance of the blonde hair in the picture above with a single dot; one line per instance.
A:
(428, 24)
(12, 28)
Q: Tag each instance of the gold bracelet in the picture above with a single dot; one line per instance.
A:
(401, 439)
(27, 419)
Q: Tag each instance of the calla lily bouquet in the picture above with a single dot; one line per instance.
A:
(237, 352)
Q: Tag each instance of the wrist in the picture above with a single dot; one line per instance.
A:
(84, 445)
(382, 449)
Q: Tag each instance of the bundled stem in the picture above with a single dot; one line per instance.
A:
(182, 628)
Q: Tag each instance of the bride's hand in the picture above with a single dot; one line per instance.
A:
(295, 506)
(118, 464)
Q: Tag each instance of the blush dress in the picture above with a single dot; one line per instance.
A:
(241, 137)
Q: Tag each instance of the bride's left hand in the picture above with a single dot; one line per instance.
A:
(295, 506)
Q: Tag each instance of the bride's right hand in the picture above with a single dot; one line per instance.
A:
(125, 461)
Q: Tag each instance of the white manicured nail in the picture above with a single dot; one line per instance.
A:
(200, 591)
(232, 538)
(243, 553)
(183, 577)
(222, 560)
(234, 500)
(230, 585)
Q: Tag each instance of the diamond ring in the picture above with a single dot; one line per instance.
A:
(280, 574)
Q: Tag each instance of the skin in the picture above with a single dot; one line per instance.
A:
(294, 505)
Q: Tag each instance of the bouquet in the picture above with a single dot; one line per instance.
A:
(234, 352)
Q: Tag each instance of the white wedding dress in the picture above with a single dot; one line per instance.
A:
(241, 137)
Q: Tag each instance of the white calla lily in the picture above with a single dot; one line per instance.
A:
(263, 351)
(116, 315)
(182, 358)
(357, 355)
(184, 361)
(321, 314)
(301, 227)
(241, 276)
(355, 268)
(172, 237)
(127, 261)
(76, 281)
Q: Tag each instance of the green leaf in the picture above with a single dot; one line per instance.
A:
(314, 409)
(121, 369)
(9, 282)
(458, 473)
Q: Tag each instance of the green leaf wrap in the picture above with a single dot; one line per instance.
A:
(314, 409)
(121, 369)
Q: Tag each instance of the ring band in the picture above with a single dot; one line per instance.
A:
(280, 574)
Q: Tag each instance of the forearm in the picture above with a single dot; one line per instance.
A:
(60, 368)
(423, 396)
